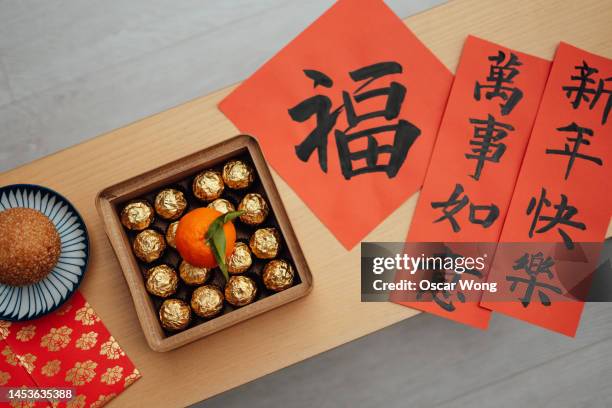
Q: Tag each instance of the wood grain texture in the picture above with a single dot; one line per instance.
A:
(332, 314)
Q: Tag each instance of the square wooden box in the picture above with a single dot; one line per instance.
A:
(111, 199)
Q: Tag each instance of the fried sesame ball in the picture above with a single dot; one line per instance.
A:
(29, 246)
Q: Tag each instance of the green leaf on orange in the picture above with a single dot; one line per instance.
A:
(215, 238)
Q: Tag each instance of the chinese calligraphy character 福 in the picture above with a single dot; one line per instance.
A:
(404, 133)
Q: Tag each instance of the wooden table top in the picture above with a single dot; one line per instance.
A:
(332, 314)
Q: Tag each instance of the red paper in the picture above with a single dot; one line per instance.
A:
(365, 38)
(551, 183)
(69, 348)
(494, 99)
(12, 374)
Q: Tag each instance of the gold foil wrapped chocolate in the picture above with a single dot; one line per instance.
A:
(237, 174)
(171, 233)
(161, 281)
(240, 260)
(265, 243)
(149, 245)
(240, 290)
(207, 301)
(208, 185)
(137, 215)
(255, 207)
(170, 203)
(222, 205)
(278, 275)
(193, 275)
(174, 314)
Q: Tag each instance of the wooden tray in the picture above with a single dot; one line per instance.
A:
(111, 200)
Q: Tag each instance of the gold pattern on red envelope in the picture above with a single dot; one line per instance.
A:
(4, 329)
(86, 315)
(57, 338)
(111, 349)
(76, 402)
(87, 341)
(112, 375)
(51, 368)
(70, 347)
(82, 372)
(26, 333)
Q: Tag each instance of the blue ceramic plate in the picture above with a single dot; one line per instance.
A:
(29, 302)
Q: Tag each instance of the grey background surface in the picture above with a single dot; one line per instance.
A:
(73, 69)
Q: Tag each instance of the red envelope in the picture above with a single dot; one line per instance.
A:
(69, 348)
(347, 114)
(477, 156)
(563, 191)
(12, 374)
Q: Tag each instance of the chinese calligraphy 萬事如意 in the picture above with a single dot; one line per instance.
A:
(477, 157)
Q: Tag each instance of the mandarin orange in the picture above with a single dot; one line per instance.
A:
(190, 237)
